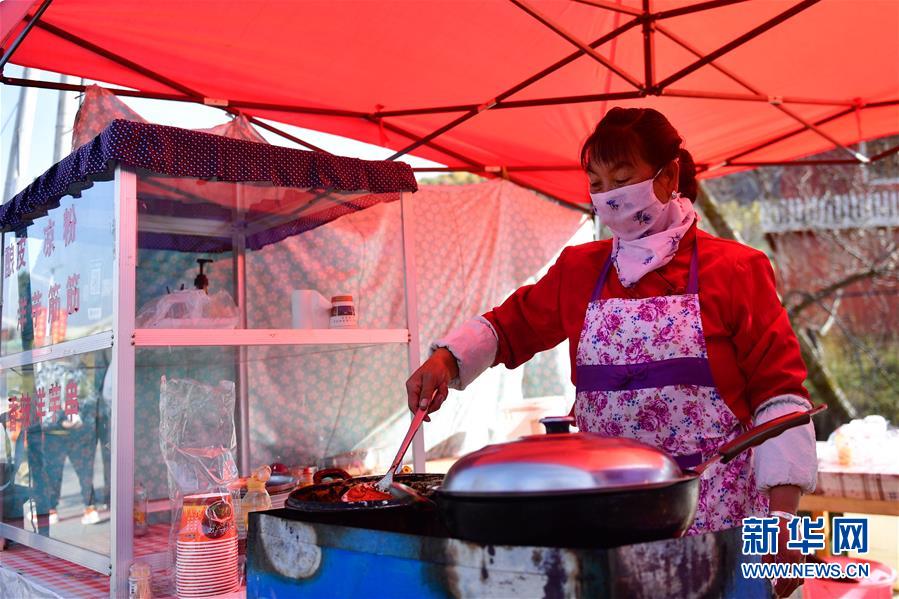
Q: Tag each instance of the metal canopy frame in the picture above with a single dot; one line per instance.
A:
(650, 23)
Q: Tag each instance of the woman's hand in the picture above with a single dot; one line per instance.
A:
(429, 385)
(785, 587)
(785, 498)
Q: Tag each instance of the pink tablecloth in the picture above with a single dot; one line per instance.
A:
(858, 482)
(54, 574)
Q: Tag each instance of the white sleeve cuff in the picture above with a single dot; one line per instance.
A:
(474, 345)
(790, 458)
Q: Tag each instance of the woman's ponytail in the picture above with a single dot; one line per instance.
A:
(686, 182)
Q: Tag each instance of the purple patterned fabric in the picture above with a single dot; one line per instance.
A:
(183, 153)
(659, 340)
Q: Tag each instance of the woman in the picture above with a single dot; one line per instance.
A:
(677, 338)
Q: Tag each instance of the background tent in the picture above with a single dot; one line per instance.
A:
(508, 87)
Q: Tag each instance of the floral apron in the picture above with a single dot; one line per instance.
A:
(643, 373)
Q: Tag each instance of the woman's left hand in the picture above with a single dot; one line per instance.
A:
(785, 499)
(785, 587)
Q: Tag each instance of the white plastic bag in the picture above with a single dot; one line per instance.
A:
(192, 309)
(198, 442)
(197, 435)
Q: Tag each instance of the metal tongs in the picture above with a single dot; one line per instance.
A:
(385, 483)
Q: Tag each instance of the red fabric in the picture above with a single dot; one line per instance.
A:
(12, 13)
(359, 55)
(753, 352)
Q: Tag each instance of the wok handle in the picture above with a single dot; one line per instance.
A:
(416, 497)
(759, 434)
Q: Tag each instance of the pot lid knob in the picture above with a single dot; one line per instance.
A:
(557, 424)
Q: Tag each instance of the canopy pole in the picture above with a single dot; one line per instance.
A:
(439, 147)
(691, 8)
(29, 25)
(613, 7)
(375, 117)
(736, 43)
(776, 104)
(496, 170)
(794, 163)
(787, 135)
(753, 97)
(282, 133)
(476, 167)
(116, 58)
(514, 89)
(885, 153)
(648, 46)
(190, 92)
(572, 39)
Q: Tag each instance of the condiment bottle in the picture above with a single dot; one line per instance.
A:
(343, 312)
(306, 476)
(257, 498)
(140, 510)
(139, 581)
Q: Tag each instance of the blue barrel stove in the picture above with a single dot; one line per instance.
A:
(288, 556)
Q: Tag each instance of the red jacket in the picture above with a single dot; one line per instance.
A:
(753, 352)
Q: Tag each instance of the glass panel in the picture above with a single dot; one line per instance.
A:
(55, 453)
(57, 275)
(297, 240)
(205, 366)
(321, 406)
(328, 406)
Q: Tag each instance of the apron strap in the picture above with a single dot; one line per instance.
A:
(693, 281)
(597, 291)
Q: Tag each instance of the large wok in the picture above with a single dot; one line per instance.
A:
(490, 497)
(614, 511)
(410, 509)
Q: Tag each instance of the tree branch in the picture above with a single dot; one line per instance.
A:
(813, 298)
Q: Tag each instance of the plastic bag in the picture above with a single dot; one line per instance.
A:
(198, 441)
(865, 442)
(197, 435)
(189, 309)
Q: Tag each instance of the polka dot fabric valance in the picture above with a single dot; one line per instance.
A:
(183, 153)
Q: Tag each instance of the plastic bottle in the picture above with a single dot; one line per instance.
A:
(257, 498)
(140, 510)
(307, 476)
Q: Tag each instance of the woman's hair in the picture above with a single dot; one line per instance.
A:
(626, 133)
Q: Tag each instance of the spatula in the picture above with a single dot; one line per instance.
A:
(383, 485)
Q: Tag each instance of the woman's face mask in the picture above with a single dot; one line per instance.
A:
(630, 211)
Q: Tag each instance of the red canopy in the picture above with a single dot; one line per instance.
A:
(513, 84)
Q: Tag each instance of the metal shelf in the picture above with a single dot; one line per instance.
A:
(238, 337)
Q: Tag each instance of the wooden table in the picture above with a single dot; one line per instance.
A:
(835, 503)
(852, 490)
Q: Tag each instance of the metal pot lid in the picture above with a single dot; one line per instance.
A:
(558, 463)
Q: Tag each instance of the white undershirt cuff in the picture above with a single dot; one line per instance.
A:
(791, 457)
(474, 344)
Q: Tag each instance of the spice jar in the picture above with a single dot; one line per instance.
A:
(343, 312)
(139, 581)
